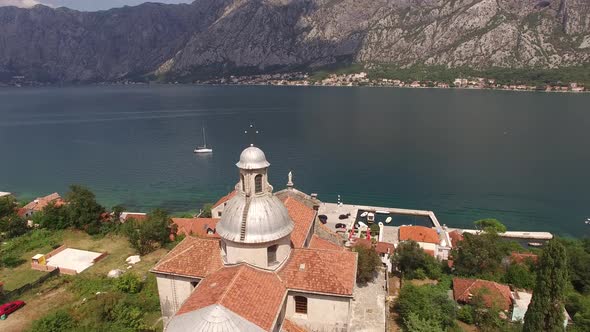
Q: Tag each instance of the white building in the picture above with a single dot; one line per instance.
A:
(267, 272)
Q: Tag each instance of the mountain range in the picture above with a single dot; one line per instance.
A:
(212, 38)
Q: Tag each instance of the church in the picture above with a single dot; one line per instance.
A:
(267, 268)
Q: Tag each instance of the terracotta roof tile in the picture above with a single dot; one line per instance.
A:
(520, 258)
(224, 199)
(194, 257)
(362, 242)
(456, 237)
(239, 289)
(384, 248)
(319, 243)
(495, 293)
(322, 271)
(418, 234)
(41, 202)
(196, 226)
(289, 326)
(302, 217)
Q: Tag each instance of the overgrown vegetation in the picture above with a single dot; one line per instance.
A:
(414, 263)
(148, 235)
(367, 264)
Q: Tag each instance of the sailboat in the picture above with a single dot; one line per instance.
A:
(204, 148)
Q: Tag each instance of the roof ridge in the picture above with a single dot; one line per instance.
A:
(233, 281)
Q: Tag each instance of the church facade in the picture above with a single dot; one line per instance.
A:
(265, 270)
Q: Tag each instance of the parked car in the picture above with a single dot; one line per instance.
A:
(340, 225)
(10, 307)
(323, 218)
(344, 216)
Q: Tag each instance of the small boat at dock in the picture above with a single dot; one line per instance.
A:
(388, 220)
(364, 214)
(535, 244)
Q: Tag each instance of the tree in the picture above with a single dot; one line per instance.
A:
(16, 226)
(429, 303)
(206, 210)
(53, 217)
(578, 253)
(413, 262)
(490, 225)
(367, 264)
(415, 323)
(56, 322)
(545, 313)
(83, 210)
(480, 254)
(520, 276)
(117, 211)
(149, 234)
(7, 206)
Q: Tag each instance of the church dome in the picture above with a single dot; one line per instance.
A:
(252, 158)
(265, 220)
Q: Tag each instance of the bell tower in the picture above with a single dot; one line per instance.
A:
(255, 227)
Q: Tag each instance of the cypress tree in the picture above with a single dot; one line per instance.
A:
(545, 312)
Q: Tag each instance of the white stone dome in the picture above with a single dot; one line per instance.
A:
(252, 158)
(267, 220)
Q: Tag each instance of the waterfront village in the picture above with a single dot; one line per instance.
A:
(363, 79)
(266, 260)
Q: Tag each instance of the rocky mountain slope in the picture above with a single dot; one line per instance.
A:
(220, 37)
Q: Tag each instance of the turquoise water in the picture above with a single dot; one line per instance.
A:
(520, 157)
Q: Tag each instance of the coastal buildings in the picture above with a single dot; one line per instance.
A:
(38, 204)
(265, 270)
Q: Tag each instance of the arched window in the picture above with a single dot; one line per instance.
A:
(243, 183)
(258, 183)
(301, 304)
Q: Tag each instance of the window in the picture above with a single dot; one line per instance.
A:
(258, 183)
(301, 305)
(194, 284)
(219, 213)
(272, 254)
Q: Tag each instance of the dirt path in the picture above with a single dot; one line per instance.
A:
(35, 308)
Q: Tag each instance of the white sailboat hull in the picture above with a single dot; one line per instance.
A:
(203, 151)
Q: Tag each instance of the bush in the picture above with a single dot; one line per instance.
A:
(414, 263)
(12, 261)
(465, 314)
(429, 303)
(129, 283)
(56, 322)
(368, 262)
(519, 275)
(147, 235)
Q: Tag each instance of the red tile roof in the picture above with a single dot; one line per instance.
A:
(193, 257)
(319, 243)
(41, 202)
(239, 289)
(384, 248)
(520, 258)
(302, 217)
(492, 292)
(362, 242)
(321, 271)
(456, 237)
(224, 199)
(196, 226)
(289, 326)
(418, 234)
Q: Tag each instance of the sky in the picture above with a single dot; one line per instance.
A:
(87, 5)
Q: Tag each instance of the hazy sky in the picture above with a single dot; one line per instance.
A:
(84, 4)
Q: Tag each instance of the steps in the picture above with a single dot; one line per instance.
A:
(244, 219)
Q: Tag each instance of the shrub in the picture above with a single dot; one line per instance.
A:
(368, 262)
(414, 263)
(147, 235)
(465, 314)
(129, 283)
(56, 322)
(428, 303)
(12, 261)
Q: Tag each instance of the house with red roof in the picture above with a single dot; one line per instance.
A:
(428, 239)
(491, 293)
(217, 208)
(264, 270)
(38, 204)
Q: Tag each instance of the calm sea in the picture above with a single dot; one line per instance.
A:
(520, 157)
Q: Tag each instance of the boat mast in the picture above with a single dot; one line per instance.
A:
(204, 137)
